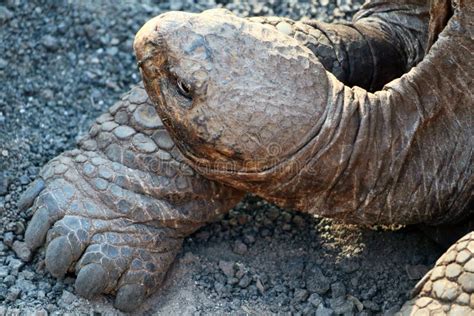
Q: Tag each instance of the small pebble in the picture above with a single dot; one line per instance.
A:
(240, 248)
(50, 42)
(227, 268)
(22, 251)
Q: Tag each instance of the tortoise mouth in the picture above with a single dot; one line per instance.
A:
(238, 173)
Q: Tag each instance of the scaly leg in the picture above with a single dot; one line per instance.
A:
(116, 210)
(449, 287)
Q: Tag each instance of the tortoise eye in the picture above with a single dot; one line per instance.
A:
(183, 89)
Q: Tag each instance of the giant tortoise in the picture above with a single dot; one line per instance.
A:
(369, 122)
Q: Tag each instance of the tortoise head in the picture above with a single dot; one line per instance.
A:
(238, 97)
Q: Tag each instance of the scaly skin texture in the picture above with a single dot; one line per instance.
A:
(449, 287)
(272, 120)
(366, 158)
(384, 41)
(116, 210)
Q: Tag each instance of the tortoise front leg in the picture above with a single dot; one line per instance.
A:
(116, 210)
(449, 287)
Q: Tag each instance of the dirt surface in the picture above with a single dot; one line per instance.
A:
(62, 63)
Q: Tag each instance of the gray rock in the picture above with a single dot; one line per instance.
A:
(176, 5)
(44, 286)
(371, 305)
(5, 15)
(298, 220)
(232, 281)
(4, 182)
(219, 287)
(121, 117)
(112, 51)
(26, 286)
(3, 291)
(67, 298)
(240, 248)
(316, 281)
(40, 312)
(89, 169)
(349, 266)
(22, 251)
(227, 268)
(9, 280)
(100, 184)
(357, 303)
(416, 272)
(392, 310)
(15, 265)
(163, 155)
(324, 311)
(24, 179)
(4, 271)
(260, 286)
(341, 305)
(338, 290)
(245, 281)
(3, 65)
(105, 172)
(13, 294)
(50, 43)
(315, 299)
(300, 295)
(13, 312)
(249, 239)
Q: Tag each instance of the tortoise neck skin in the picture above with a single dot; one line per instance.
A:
(260, 113)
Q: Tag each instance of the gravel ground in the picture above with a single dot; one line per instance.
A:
(62, 63)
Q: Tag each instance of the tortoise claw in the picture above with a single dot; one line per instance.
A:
(59, 257)
(91, 280)
(28, 197)
(129, 297)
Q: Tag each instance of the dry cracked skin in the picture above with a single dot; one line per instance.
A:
(305, 114)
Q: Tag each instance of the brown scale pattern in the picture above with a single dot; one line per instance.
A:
(449, 287)
(401, 155)
(115, 210)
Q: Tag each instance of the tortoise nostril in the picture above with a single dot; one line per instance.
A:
(140, 63)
